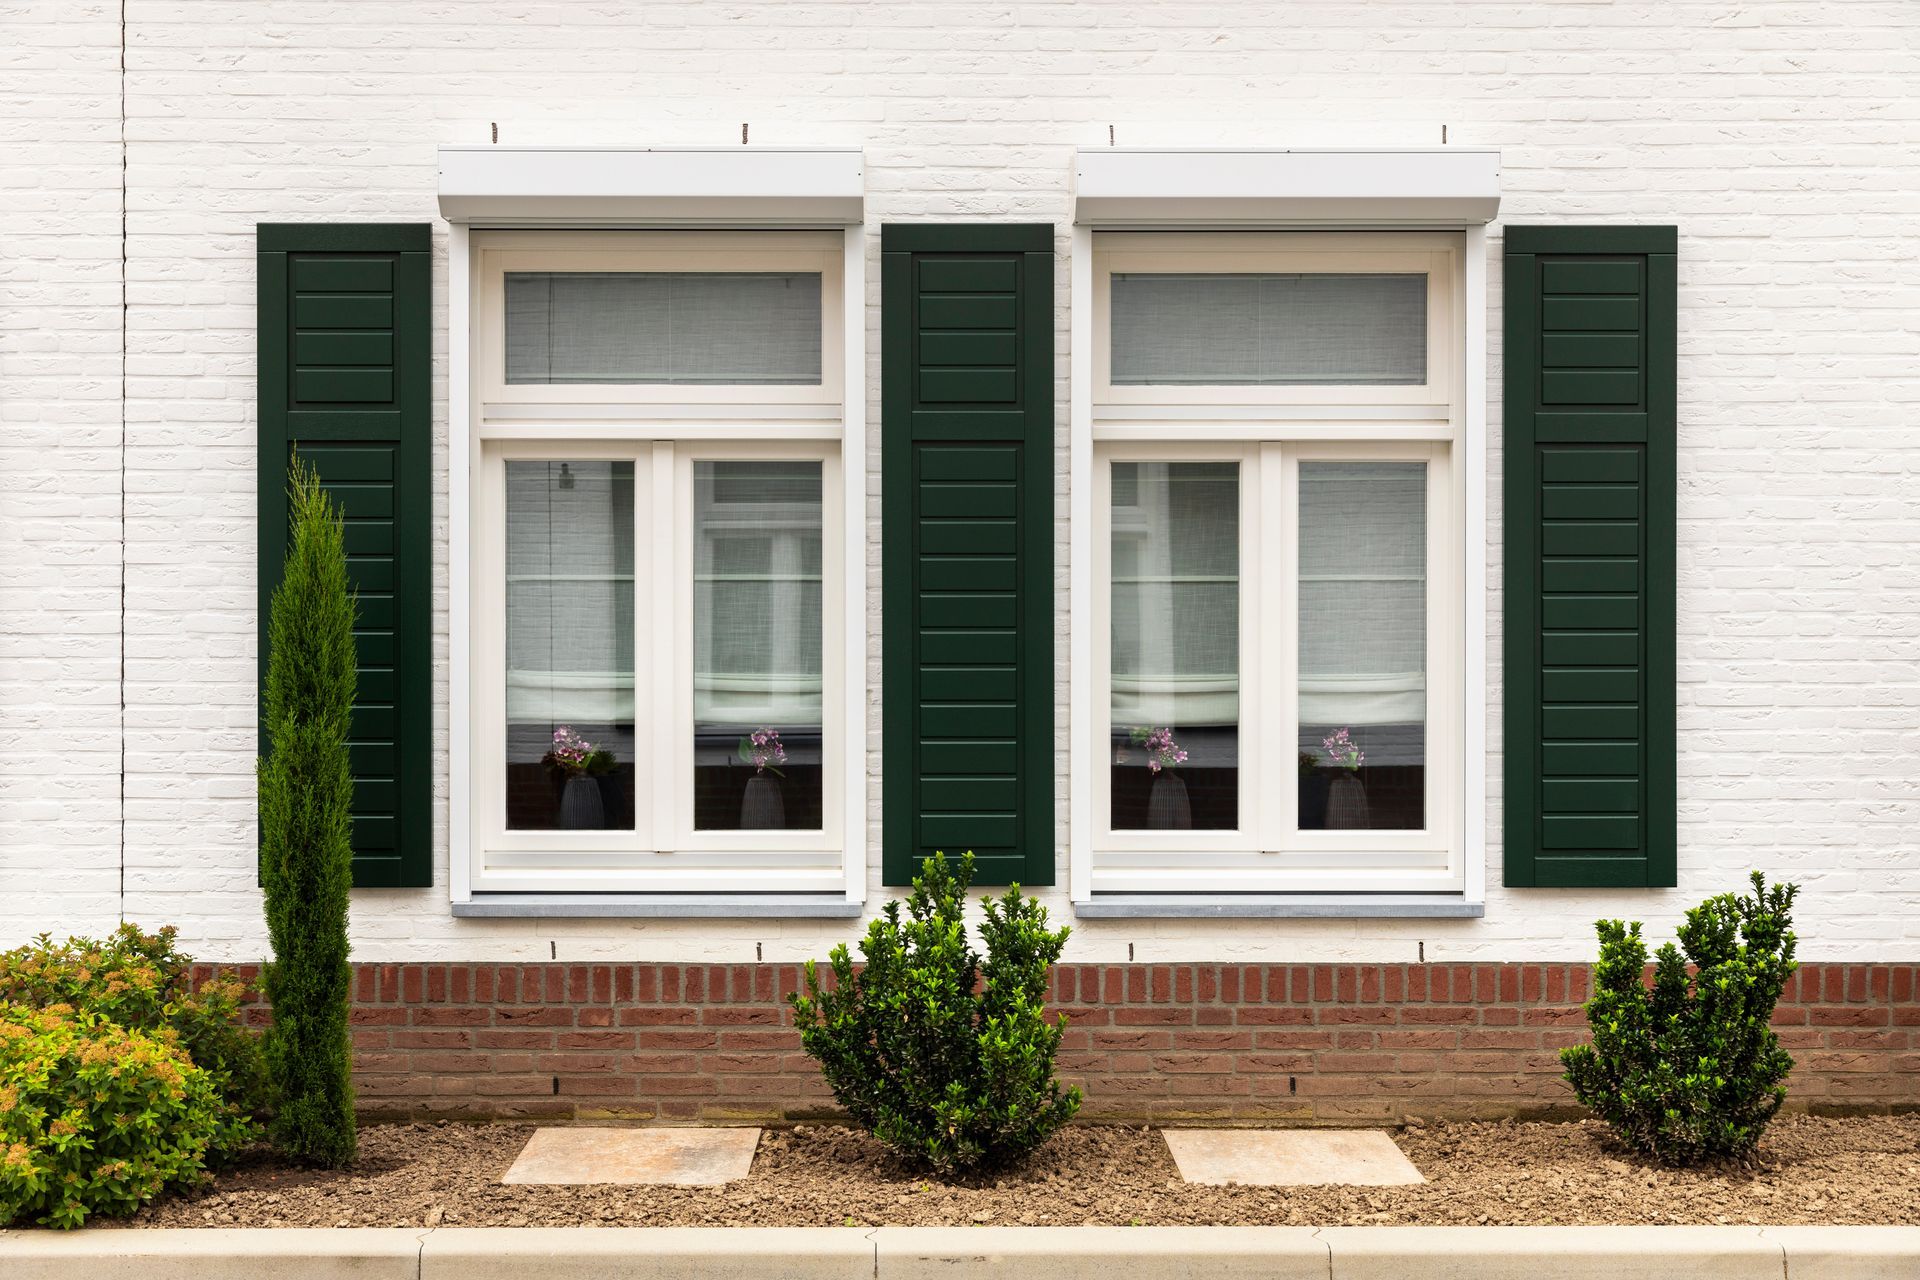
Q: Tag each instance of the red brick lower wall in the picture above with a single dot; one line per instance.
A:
(1161, 1041)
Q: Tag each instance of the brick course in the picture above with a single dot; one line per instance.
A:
(1178, 1042)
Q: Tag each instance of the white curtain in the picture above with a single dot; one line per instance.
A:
(1363, 593)
(1176, 594)
(569, 593)
(1269, 329)
(685, 327)
(756, 594)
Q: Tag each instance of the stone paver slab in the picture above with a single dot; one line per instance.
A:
(1290, 1158)
(668, 1157)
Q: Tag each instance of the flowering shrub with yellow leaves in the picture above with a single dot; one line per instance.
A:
(118, 1077)
(95, 1118)
(140, 981)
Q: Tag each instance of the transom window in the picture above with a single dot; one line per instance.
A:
(565, 319)
(1277, 563)
(659, 640)
(688, 328)
(1241, 329)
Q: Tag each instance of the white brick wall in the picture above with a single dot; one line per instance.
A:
(60, 461)
(1783, 138)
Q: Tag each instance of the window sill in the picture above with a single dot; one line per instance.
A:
(1193, 906)
(659, 906)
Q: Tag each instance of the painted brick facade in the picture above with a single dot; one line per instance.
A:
(1163, 1042)
(1780, 137)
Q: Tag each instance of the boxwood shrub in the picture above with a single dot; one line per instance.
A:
(944, 1057)
(1690, 1070)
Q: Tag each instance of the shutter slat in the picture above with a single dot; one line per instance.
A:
(1589, 450)
(345, 355)
(967, 436)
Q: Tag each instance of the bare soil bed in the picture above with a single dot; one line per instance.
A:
(1809, 1170)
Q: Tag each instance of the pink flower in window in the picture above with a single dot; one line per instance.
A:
(1341, 751)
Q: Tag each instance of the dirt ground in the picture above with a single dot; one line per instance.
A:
(1809, 1170)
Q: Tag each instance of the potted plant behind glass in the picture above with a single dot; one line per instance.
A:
(579, 763)
(762, 808)
(1346, 797)
(1168, 808)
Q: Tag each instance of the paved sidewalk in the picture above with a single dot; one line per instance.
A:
(919, 1253)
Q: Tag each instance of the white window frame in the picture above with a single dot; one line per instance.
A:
(1274, 428)
(665, 428)
(1267, 853)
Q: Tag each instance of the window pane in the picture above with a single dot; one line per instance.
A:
(570, 743)
(1363, 645)
(684, 327)
(1173, 329)
(756, 645)
(1176, 645)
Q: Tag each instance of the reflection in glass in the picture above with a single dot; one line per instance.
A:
(1363, 645)
(757, 645)
(570, 739)
(1175, 668)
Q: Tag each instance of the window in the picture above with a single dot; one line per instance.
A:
(657, 564)
(630, 319)
(1175, 674)
(692, 328)
(1277, 567)
(757, 656)
(1229, 329)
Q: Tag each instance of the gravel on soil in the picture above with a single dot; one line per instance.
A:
(1808, 1170)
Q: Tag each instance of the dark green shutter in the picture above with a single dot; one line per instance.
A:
(346, 361)
(1589, 441)
(967, 443)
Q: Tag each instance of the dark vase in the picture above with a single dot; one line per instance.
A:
(1313, 800)
(761, 808)
(1167, 806)
(581, 808)
(1347, 804)
(613, 802)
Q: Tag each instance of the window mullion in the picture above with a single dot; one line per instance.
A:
(1279, 682)
(669, 650)
(1100, 750)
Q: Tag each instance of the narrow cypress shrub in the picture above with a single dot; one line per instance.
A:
(306, 791)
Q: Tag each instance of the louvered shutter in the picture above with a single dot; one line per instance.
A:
(967, 439)
(345, 362)
(1589, 443)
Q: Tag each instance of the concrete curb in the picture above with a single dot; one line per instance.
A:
(906, 1253)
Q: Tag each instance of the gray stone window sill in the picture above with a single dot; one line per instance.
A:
(1197, 906)
(659, 906)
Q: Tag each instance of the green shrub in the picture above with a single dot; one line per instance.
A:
(1690, 1070)
(140, 981)
(306, 852)
(950, 1077)
(95, 1118)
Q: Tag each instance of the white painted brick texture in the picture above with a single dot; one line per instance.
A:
(1782, 138)
(60, 465)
